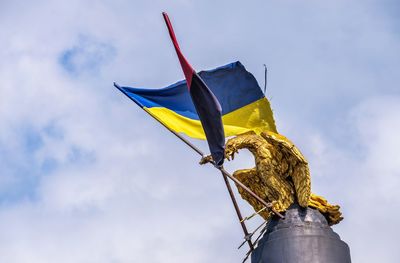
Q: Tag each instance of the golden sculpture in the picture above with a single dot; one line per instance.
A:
(281, 175)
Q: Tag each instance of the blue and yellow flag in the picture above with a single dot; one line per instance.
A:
(244, 106)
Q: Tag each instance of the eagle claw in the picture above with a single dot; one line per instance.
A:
(230, 151)
(206, 159)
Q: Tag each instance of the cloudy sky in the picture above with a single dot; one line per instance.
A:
(86, 176)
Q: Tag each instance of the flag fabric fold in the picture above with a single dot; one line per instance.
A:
(244, 106)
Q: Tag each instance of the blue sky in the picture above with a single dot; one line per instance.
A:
(85, 176)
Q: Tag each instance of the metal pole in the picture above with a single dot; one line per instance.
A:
(265, 78)
(221, 168)
(223, 172)
(247, 236)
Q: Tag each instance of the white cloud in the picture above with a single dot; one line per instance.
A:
(88, 177)
(365, 179)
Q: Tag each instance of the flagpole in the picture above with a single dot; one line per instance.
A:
(224, 173)
(221, 168)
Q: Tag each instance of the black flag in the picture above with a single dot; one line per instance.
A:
(205, 102)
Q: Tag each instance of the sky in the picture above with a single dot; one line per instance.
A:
(86, 176)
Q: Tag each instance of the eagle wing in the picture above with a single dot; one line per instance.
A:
(298, 165)
(251, 179)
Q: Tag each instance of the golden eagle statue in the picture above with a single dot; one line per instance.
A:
(281, 175)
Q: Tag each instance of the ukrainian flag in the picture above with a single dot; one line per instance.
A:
(244, 106)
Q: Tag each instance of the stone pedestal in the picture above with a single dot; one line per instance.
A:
(304, 236)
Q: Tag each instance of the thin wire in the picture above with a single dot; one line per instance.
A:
(265, 78)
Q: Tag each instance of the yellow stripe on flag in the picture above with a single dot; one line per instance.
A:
(256, 116)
